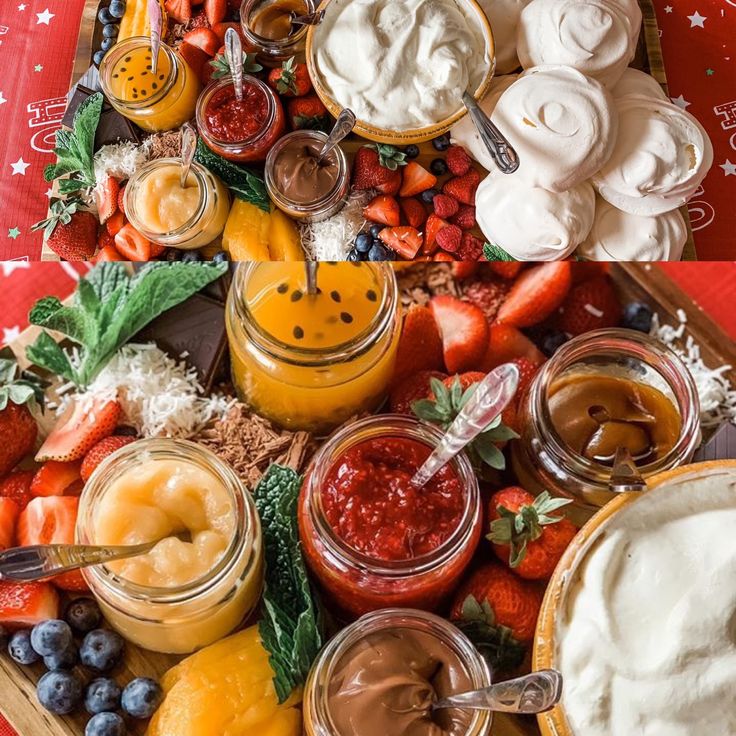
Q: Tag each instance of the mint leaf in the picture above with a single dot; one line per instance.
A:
(73, 321)
(496, 253)
(47, 353)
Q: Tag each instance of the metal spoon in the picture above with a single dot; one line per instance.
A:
(234, 56)
(534, 693)
(311, 269)
(502, 152)
(188, 148)
(490, 398)
(156, 21)
(310, 19)
(625, 476)
(343, 126)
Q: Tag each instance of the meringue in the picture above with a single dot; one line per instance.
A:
(531, 223)
(662, 154)
(466, 134)
(592, 36)
(561, 123)
(620, 236)
(400, 64)
(635, 82)
(504, 18)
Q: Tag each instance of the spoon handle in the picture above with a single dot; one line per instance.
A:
(234, 55)
(188, 149)
(502, 152)
(343, 125)
(310, 19)
(490, 398)
(534, 693)
(155, 20)
(625, 476)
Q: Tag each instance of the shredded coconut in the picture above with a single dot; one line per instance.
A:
(120, 160)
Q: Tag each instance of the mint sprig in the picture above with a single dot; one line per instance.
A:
(494, 252)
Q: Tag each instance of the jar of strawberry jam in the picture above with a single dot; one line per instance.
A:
(372, 539)
(240, 130)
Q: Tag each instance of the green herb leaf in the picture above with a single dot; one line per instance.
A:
(494, 252)
(47, 354)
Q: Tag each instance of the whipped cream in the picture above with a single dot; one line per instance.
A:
(620, 236)
(531, 223)
(465, 133)
(400, 64)
(635, 82)
(662, 153)
(646, 640)
(593, 36)
(504, 18)
(562, 124)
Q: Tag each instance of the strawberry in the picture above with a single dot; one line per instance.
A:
(54, 478)
(416, 180)
(432, 227)
(536, 294)
(215, 11)
(584, 270)
(81, 426)
(27, 604)
(107, 199)
(199, 19)
(444, 206)
(503, 607)
(195, 58)
(17, 487)
(488, 295)
(179, 10)
(52, 520)
(411, 389)
(466, 379)
(443, 256)
(457, 160)
(204, 39)
(525, 533)
(505, 343)
(590, 305)
(308, 112)
(471, 248)
(464, 269)
(106, 254)
(404, 240)
(18, 430)
(506, 269)
(376, 166)
(115, 223)
(70, 232)
(527, 371)
(463, 188)
(220, 29)
(464, 332)
(132, 245)
(413, 211)
(383, 209)
(291, 79)
(9, 513)
(104, 239)
(465, 217)
(100, 451)
(121, 197)
(420, 347)
(449, 238)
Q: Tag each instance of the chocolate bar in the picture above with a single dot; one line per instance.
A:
(721, 446)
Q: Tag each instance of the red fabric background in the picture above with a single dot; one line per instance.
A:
(699, 60)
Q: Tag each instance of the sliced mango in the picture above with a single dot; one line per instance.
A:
(284, 241)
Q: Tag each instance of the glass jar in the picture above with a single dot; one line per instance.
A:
(323, 205)
(312, 387)
(357, 583)
(317, 718)
(542, 461)
(273, 51)
(161, 178)
(242, 131)
(163, 102)
(179, 619)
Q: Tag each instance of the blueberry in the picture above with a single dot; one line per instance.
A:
(59, 692)
(102, 694)
(375, 230)
(222, 256)
(379, 252)
(98, 57)
(63, 660)
(105, 724)
(637, 316)
(83, 614)
(442, 142)
(51, 637)
(363, 242)
(110, 30)
(411, 151)
(438, 166)
(428, 195)
(20, 649)
(141, 697)
(105, 17)
(101, 650)
(353, 256)
(117, 8)
(552, 341)
(191, 256)
(107, 44)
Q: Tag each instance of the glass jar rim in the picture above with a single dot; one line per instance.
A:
(633, 344)
(242, 317)
(389, 425)
(245, 528)
(246, 7)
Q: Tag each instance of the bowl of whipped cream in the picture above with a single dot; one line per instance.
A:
(401, 65)
(640, 614)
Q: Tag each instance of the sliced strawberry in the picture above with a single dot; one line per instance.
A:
(115, 223)
(590, 305)
(104, 239)
(464, 269)
(412, 388)
(9, 512)
(203, 38)
(584, 270)
(27, 604)
(179, 10)
(464, 331)
(420, 345)
(463, 188)
(195, 58)
(100, 451)
(81, 426)
(220, 29)
(106, 254)
(216, 11)
(53, 478)
(506, 269)
(433, 226)
(121, 197)
(405, 240)
(506, 343)
(487, 294)
(17, 487)
(536, 294)
(107, 199)
(443, 256)
(416, 180)
(413, 211)
(383, 209)
(132, 245)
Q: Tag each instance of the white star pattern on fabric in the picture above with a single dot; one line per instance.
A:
(729, 169)
(19, 167)
(9, 266)
(667, 8)
(2, 99)
(44, 17)
(681, 102)
(49, 192)
(696, 20)
(22, 6)
(10, 334)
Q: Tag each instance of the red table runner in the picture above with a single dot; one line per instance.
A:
(37, 45)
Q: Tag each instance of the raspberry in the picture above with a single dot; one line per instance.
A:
(465, 217)
(462, 188)
(457, 160)
(449, 238)
(471, 248)
(445, 206)
(488, 296)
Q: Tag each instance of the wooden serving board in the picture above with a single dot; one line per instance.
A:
(648, 58)
(633, 281)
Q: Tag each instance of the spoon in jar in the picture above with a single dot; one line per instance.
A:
(155, 19)
(234, 56)
(501, 151)
(310, 268)
(625, 476)
(490, 398)
(310, 19)
(188, 148)
(341, 129)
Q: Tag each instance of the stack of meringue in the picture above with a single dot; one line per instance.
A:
(583, 121)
